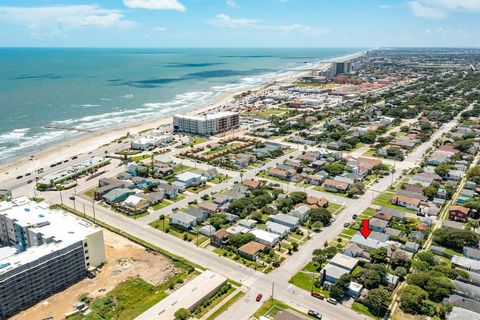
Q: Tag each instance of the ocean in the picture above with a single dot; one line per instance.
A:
(94, 89)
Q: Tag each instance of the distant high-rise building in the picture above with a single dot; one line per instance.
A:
(42, 251)
(208, 124)
(340, 68)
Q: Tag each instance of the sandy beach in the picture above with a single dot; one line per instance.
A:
(91, 141)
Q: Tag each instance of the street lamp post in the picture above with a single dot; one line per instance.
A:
(93, 207)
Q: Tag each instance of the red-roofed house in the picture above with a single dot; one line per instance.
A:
(458, 213)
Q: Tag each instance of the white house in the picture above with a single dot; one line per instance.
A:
(189, 178)
(265, 237)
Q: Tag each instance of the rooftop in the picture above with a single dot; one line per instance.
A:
(209, 116)
(62, 228)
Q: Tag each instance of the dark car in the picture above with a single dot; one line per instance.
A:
(65, 161)
(53, 165)
(28, 174)
(19, 177)
(259, 297)
(346, 224)
(74, 157)
(354, 216)
(72, 198)
(314, 314)
(30, 181)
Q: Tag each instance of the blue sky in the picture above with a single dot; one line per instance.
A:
(239, 23)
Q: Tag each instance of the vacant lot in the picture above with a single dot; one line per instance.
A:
(125, 259)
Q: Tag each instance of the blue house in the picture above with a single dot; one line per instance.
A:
(117, 195)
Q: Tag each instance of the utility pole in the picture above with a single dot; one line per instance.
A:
(273, 289)
(93, 207)
(313, 280)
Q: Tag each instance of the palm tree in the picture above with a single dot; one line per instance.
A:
(162, 218)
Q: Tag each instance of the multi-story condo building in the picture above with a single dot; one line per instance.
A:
(42, 251)
(340, 68)
(208, 124)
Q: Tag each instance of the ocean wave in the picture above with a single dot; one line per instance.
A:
(15, 135)
(33, 142)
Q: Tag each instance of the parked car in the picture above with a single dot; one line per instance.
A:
(332, 301)
(314, 314)
(346, 225)
(71, 198)
(354, 216)
(30, 181)
(74, 157)
(28, 174)
(259, 297)
(19, 177)
(317, 295)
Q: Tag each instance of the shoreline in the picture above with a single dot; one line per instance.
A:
(89, 142)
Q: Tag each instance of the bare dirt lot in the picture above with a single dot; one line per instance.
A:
(125, 259)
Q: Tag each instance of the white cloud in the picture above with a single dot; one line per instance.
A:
(439, 9)
(424, 11)
(465, 5)
(222, 20)
(225, 21)
(385, 6)
(57, 18)
(303, 29)
(155, 4)
(159, 29)
(232, 4)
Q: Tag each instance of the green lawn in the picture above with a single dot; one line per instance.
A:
(90, 193)
(235, 257)
(349, 231)
(128, 300)
(384, 201)
(197, 189)
(179, 168)
(266, 113)
(304, 280)
(226, 305)
(221, 177)
(198, 140)
(334, 208)
(177, 231)
(179, 197)
(141, 157)
(321, 189)
(162, 204)
(310, 267)
(264, 174)
(271, 304)
(370, 153)
(363, 309)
